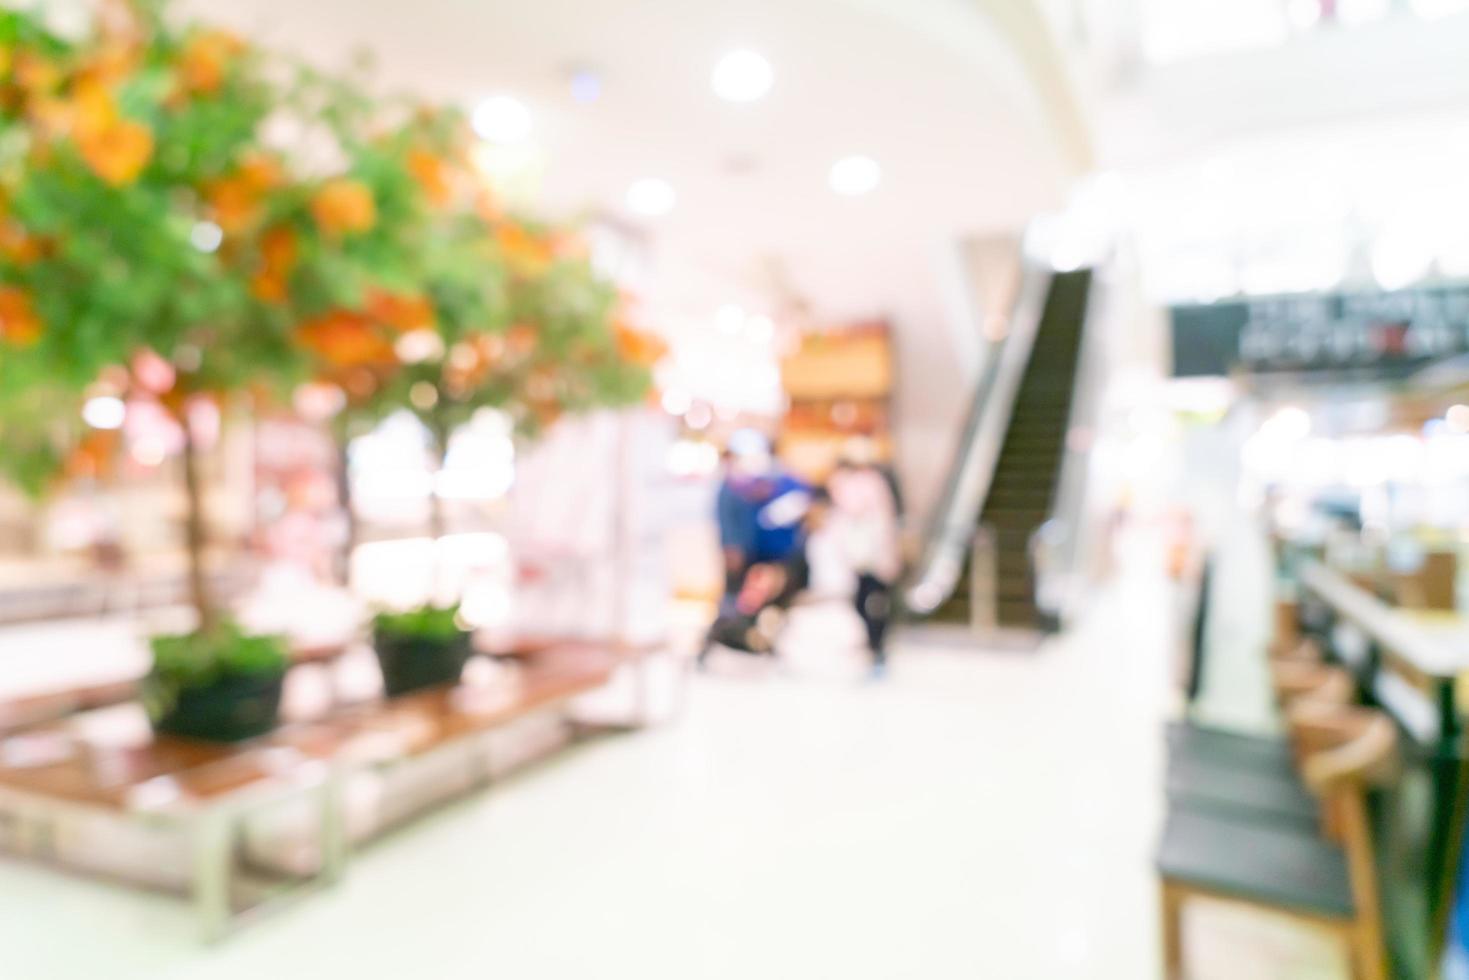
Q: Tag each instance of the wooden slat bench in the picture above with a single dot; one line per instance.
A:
(209, 802)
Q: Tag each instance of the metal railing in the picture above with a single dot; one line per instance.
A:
(951, 532)
(1060, 548)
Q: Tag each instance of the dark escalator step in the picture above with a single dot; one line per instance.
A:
(1011, 500)
(1018, 616)
(1017, 516)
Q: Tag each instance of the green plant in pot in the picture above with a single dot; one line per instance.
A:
(223, 685)
(159, 248)
(420, 648)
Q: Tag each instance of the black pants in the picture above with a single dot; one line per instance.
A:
(875, 606)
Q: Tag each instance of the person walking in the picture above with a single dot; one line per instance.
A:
(735, 512)
(865, 520)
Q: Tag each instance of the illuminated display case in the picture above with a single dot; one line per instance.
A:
(838, 384)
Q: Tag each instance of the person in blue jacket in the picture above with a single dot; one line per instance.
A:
(759, 508)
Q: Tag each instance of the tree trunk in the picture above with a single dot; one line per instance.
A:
(440, 448)
(436, 523)
(344, 500)
(194, 531)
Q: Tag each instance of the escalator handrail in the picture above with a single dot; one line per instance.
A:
(1068, 517)
(951, 530)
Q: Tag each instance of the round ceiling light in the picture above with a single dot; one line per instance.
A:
(742, 76)
(854, 176)
(586, 84)
(502, 119)
(651, 197)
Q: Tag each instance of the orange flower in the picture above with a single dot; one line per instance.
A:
(92, 108)
(19, 325)
(432, 175)
(268, 287)
(359, 383)
(261, 173)
(279, 250)
(520, 339)
(94, 455)
(639, 346)
(236, 199)
(234, 203)
(18, 246)
(344, 206)
(113, 63)
(52, 118)
(344, 338)
(206, 59)
(487, 205)
(404, 313)
(117, 152)
(569, 245)
(523, 250)
(36, 76)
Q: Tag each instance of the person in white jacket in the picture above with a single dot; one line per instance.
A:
(865, 522)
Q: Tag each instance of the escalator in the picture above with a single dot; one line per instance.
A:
(979, 563)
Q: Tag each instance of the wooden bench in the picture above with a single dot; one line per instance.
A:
(208, 801)
(18, 714)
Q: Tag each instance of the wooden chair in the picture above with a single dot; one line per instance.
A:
(1327, 879)
(1255, 776)
(1306, 648)
(1303, 680)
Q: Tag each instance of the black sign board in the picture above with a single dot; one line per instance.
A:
(1373, 334)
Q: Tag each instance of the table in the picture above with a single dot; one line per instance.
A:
(1412, 663)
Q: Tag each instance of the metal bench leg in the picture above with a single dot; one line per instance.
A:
(212, 839)
(334, 839)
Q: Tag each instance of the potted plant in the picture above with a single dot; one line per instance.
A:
(156, 246)
(223, 685)
(187, 222)
(420, 648)
(506, 315)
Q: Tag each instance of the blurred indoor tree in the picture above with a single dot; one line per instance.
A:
(185, 218)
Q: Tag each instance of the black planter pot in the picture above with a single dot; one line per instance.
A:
(231, 709)
(412, 663)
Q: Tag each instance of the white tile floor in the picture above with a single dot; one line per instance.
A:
(979, 815)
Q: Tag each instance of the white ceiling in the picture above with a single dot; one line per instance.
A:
(927, 87)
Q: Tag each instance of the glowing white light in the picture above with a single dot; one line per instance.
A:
(206, 236)
(1363, 11)
(854, 176)
(687, 457)
(730, 318)
(1290, 423)
(699, 417)
(761, 329)
(742, 76)
(502, 119)
(651, 197)
(1434, 9)
(317, 401)
(104, 412)
(418, 346)
(1400, 259)
(150, 452)
(1458, 418)
(423, 395)
(1304, 14)
(676, 402)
